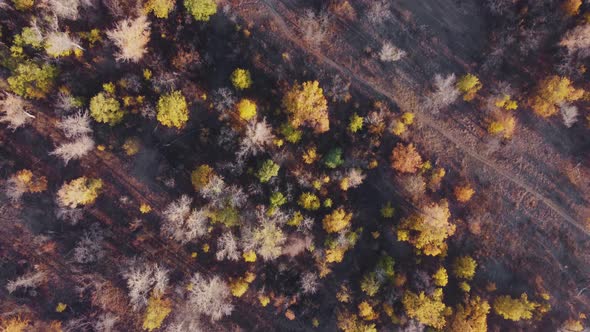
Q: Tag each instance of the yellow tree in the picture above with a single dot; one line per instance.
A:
(157, 310)
(427, 231)
(405, 158)
(552, 91)
(172, 110)
(469, 85)
(336, 221)
(470, 316)
(80, 191)
(464, 267)
(306, 105)
(514, 309)
(464, 193)
(427, 309)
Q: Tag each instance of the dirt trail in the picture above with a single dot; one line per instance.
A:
(421, 116)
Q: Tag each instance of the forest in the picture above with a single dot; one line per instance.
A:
(294, 165)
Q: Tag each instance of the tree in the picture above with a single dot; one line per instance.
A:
(514, 309)
(14, 324)
(266, 238)
(552, 91)
(131, 37)
(348, 322)
(209, 297)
(160, 8)
(445, 93)
(227, 247)
(67, 9)
(309, 201)
(427, 231)
(172, 110)
(309, 283)
(157, 310)
(355, 123)
(74, 150)
(80, 191)
(427, 309)
(464, 267)
(106, 109)
(469, 85)
(390, 53)
(502, 123)
(241, 79)
(336, 221)
(31, 80)
(314, 27)
(239, 287)
(470, 316)
(24, 181)
(333, 158)
(182, 223)
(306, 105)
(366, 311)
(59, 44)
(246, 109)
(577, 40)
(405, 158)
(76, 125)
(201, 9)
(142, 279)
(30, 280)
(23, 5)
(440, 277)
(569, 114)
(201, 176)
(15, 111)
(267, 171)
(258, 137)
(571, 7)
(369, 284)
(463, 193)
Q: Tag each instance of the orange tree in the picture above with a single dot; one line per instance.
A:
(552, 91)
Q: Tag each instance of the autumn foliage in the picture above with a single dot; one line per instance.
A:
(337, 220)
(552, 91)
(405, 158)
(306, 105)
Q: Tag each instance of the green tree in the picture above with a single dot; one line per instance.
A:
(31, 80)
(333, 158)
(267, 170)
(201, 9)
(172, 110)
(106, 109)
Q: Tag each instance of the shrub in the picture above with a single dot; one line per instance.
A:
(464, 267)
(172, 110)
(201, 9)
(157, 310)
(552, 91)
(241, 79)
(246, 109)
(160, 8)
(469, 85)
(106, 109)
(514, 309)
(309, 201)
(427, 309)
(336, 221)
(356, 123)
(307, 105)
(80, 191)
(405, 158)
(333, 158)
(131, 37)
(30, 80)
(267, 170)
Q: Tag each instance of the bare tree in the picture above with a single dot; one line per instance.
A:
(266, 238)
(378, 11)
(14, 109)
(309, 282)
(338, 90)
(445, 93)
(182, 223)
(210, 297)
(60, 43)
(577, 40)
(142, 278)
(223, 102)
(314, 27)
(569, 114)
(227, 247)
(30, 280)
(89, 248)
(106, 322)
(75, 125)
(131, 37)
(258, 136)
(390, 53)
(74, 150)
(355, 177)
